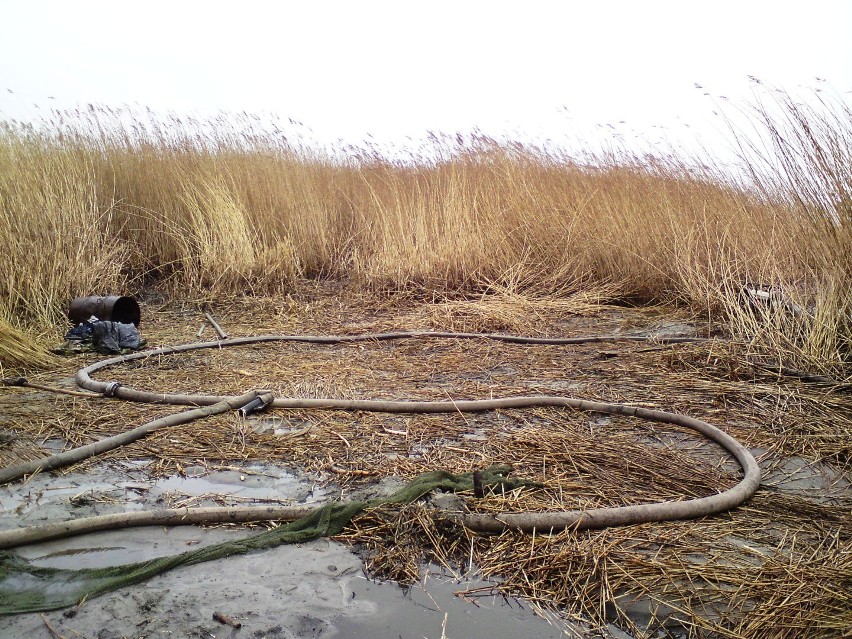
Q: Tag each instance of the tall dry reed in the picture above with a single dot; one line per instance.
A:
(99, 200)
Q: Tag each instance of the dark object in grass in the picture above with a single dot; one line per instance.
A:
(478, 491)
(114, 337)
(762, 298)
(116, 308)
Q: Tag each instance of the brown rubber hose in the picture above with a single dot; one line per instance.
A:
(80, 453)
(163, 517)
(578, 519)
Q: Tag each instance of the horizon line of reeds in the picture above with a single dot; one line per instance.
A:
(95, 202)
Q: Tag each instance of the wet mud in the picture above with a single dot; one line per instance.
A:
(316, 590)
(319, 589)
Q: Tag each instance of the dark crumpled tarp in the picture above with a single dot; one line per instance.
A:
(103, 336)
(112, 337)
(82, 332)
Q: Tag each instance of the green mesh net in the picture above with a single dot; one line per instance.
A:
(28, 588)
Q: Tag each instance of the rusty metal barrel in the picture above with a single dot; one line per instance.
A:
(116, 308)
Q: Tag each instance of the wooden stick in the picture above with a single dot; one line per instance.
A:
(51, 629)
(22, 382)
(222, 334)
(478, 490)
(225, 619)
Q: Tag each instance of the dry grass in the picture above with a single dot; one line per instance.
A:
(116, 201)
(20, 350)
(778, 567)
(489, 237)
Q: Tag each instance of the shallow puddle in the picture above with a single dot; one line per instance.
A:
(314, 590)
(257, 483)
(440, 606)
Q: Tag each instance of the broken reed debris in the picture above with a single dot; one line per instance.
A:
(227, 207)
(773, 567)
(20, 350)
(213, 215)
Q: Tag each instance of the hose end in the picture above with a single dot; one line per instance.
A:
(259, 403)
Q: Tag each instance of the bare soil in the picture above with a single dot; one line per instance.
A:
(623, 583)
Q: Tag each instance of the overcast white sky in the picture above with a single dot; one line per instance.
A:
(397, 69)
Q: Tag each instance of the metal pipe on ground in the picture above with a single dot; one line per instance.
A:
(115, 308)
(219, 331)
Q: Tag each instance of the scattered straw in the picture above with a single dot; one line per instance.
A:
(20, 350)
(778, 567)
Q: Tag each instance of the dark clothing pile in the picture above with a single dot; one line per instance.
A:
(113, 337)
(82, 332)
(104, 336)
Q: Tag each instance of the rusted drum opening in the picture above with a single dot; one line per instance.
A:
(116, 308)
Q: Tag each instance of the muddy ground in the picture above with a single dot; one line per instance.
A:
(317, 589)
(323, 589)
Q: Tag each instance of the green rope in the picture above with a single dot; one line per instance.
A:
(27, 588)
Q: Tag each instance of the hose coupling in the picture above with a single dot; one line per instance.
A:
(256, 405)
(111, 388)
